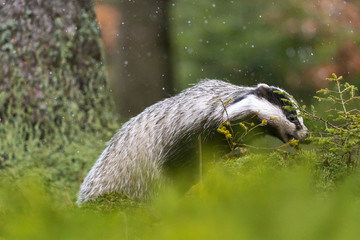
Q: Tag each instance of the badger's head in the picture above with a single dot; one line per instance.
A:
(267, 102)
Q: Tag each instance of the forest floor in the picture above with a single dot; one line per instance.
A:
(270, 195)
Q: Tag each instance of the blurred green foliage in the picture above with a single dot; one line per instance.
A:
(259, 196)
(285, 43)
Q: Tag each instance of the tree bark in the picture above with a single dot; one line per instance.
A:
(144, 74)
(52, 75)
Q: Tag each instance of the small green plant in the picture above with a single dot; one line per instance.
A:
(340, 134)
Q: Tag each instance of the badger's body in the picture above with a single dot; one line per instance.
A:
(133, 160)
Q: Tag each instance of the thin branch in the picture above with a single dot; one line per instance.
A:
(341, 97)
(326, 122)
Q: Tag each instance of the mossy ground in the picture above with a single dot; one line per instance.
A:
(267, 195)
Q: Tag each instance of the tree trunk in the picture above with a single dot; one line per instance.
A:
(52, 75)
(144, 72)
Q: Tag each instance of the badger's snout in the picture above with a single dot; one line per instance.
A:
(303, 135)
(298, 135)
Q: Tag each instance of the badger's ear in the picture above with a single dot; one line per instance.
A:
(262, 90)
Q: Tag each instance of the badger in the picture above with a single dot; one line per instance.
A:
(133, 161)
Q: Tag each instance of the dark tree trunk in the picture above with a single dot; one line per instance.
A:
(52, 74)
(144, 74)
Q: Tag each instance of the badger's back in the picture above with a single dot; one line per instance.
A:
(132, 162)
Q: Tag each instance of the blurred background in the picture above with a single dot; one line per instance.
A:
(157, 48)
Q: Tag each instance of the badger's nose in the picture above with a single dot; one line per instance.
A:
(303, 135)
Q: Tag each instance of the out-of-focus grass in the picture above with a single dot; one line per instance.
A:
(259, 196)
(29, 211)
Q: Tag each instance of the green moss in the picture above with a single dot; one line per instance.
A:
(61, 162)
(111, 202)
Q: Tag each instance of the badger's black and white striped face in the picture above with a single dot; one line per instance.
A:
(267, 103)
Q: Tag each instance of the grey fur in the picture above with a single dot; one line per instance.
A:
(132, 162)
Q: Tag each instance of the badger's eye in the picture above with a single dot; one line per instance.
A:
(292, 118)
